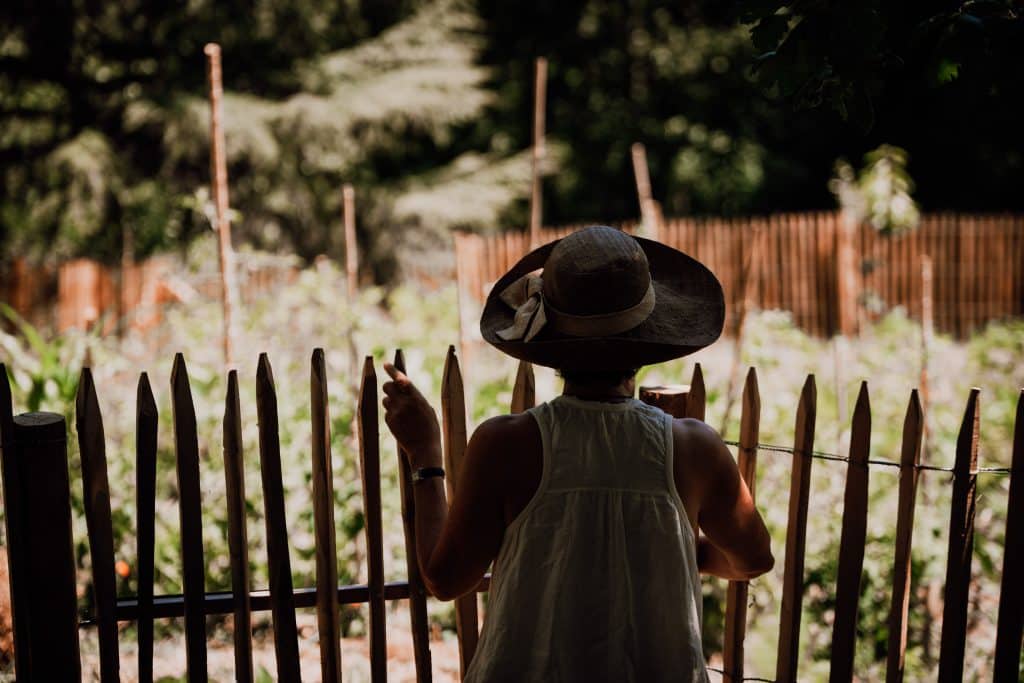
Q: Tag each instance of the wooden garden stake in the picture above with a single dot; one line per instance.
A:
(92, 446)
(796, 535)
(648, 210)
(417, 591)
(961, 545)
(540, 88)
(193, 567)
(852, 539)
(913, 428)
(453, 419)
(1011, 592)
(369, 462)
(219, 179)
(351, 255)
(736, 596)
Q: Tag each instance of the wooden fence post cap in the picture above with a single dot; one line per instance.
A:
(665, 389)
(39, 427)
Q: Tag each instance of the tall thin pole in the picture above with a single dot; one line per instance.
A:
(648, 208)
(219, 176)
(927, 332)
(540, 88)
(351, 258)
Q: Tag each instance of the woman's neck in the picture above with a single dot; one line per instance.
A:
(600, 392)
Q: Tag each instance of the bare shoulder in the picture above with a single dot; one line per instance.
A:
(505, 431)
(700, 450)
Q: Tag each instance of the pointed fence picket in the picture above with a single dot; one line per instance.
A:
(788, 658)
(186, 454)
(33, 449)
(146, 417)
(736, 595)
(453, 418)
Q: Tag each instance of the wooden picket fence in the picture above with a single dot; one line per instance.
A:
(831, 276)
(43, 582)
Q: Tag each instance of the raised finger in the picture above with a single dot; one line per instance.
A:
(397, 374)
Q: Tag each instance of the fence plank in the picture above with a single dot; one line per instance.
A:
(286, 642)
(238, 543)
(696, 399)
(913, 430)
(1011, 592)
(146, 419)
(327, 618)
(37, 443)
(93, 449)
(453, 417)
(736, 595)
(186, 452)
(369, 465)
(787, 663)
(851, 544)
(524, 391)
(13, 526)
(961, 545)
(417, 592)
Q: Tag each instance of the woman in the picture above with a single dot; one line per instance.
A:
(589, 504)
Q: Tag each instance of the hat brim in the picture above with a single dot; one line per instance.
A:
(688, 315)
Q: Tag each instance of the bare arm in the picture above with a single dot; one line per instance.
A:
(453, 548)
(737, 545)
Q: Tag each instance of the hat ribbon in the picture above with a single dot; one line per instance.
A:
(525, 295)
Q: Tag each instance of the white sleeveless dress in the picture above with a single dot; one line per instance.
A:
(596, 579)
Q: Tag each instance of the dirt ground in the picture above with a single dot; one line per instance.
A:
(169, 654)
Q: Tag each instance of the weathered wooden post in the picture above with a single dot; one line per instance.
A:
(219, 182)
(540, 89)
(42, 563)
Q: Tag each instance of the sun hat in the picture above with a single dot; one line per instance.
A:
(603, 300)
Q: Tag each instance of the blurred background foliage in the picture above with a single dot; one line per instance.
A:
(425, 106)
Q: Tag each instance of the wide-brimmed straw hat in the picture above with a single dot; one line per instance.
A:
(603, 300)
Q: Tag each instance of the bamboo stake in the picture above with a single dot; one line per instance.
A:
(913, 429)
(219, 179)
(736, 595)
(540, 87)
(453, 418)
(351, 255)
(642, 174)
(852, 539)
(796, 535)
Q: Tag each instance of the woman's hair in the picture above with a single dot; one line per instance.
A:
(599, 377)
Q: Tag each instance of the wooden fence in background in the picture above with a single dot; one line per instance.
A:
(88, 293)
(45, 610)
(833, 277)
